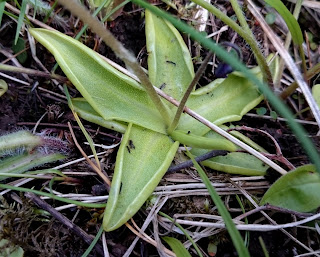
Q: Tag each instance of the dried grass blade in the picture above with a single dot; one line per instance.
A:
(288, 60)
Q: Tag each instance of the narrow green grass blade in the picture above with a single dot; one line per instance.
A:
(50, 12)
(84, 28)
(93, 243)
(84, 131)
(58, 198)
(184, 232)
(247, 235)
(2, 5)
(233, 232)
(278, 105)
(291, 22)
(20, 19)
(25, 162)
(263, 246)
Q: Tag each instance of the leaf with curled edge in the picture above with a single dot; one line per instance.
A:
(143, 158)
(223, 100)
(297, 190)
(234, 162)
(170, 65)
(85, 111)
(116, 97)
(177, 247)
(112, 94)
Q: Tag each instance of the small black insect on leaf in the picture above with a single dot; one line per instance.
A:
(120, 188)
(131, 145)
(163, 85)
(171, 63)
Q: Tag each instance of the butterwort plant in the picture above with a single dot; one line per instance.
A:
(116, 101)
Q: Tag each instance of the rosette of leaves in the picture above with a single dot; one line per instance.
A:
(115, 100)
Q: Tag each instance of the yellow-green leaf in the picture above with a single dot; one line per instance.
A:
(221, 101)
(298, 190)
(235, 162)
(316, 93)
(219, 143)
(169, 62)
(9, 249)
(85, 111)
(177, 247)
(112, 94)
(143, 158)
(3, 87)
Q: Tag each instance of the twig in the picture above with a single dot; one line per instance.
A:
(44, 124)
(200, 158)
(247, 227)
(96, 169)
(288, 60)
(64, 220)
(10, 68)
(223, 133)
(278, 156)
(146, 237)
(253, 202)
(129, 59)
(269, 207)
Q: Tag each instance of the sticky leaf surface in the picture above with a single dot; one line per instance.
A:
(143, 158)
(112, 94)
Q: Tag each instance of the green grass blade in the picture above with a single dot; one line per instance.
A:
(84, 28)
(278, 105)
(233, 232)
(2, 5)
(84, 131)
(50, 12)
(20, 19)
(93, 243)
(183, 231)
(247, 234)
(263, 246)
(24, 162)
(114, 10)
(58, 198)
(291, 22)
